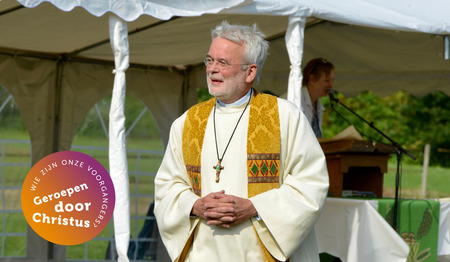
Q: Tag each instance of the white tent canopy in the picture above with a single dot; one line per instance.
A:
(366, 58)
(56, 56)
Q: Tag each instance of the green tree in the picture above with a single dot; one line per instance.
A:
(410, 121)
(429, 121)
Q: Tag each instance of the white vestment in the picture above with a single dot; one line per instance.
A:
(288, 214)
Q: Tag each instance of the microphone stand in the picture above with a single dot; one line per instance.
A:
(399, 150)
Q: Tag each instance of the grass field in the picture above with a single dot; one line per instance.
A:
(438, 181)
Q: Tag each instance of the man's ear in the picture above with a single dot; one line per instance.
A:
(251, 73)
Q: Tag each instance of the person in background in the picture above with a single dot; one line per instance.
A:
(318, 77)
(243, 177)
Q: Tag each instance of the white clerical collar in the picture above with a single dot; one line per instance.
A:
(239, 102)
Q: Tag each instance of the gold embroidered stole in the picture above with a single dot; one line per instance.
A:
(192, 140)
(263, 145)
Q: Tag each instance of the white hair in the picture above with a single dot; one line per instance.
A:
(256, 47)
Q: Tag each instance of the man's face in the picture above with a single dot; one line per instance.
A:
(230, 83)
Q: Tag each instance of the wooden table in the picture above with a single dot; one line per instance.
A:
(356, 165)
(360, 172)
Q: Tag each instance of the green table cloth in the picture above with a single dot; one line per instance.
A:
(417, 224)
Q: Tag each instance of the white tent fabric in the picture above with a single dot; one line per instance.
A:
(407, 15)
(294, 44)
(58, 40)
(184, 42)
(117, 147)
(130, 10)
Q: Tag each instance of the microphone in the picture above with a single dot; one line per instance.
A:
(331, 93)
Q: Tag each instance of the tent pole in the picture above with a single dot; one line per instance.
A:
(446, 47)
(58, 87)
(57, 252)
(185, 91)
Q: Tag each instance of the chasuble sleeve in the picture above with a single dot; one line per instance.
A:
(174, 198)
(289, 213)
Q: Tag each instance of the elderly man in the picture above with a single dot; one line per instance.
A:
(243, 177)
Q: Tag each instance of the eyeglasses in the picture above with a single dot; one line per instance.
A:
(221, 64)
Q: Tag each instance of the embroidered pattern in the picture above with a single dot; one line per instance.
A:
(193, 134)
(263, 168)
(263, 145)
(195, 178)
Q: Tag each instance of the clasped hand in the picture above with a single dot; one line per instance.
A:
(223, 210)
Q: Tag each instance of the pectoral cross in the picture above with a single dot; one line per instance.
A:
(218, 168)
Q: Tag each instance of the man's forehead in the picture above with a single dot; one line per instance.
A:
(222, 48)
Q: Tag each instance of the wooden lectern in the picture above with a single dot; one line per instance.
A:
(356, 165)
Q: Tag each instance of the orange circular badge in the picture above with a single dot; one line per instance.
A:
(68, 198)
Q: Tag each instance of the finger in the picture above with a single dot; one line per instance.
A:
(213, 222)
(228, 219)
(220, 207)
(226, 199)
(218, 195)
(218, 204)
(219, 216)
(218, 223)
(225, 210)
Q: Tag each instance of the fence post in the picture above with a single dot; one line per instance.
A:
(426, 161)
